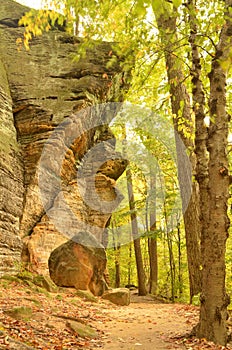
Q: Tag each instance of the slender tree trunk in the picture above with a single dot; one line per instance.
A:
(180, 276)
(172, 266)
(180, 103)
(134, 226)
(77, 25)
(153, 258)
(135, 234)
(117, 266)
(117, 249)
(129, 265)
(213, 178)
(152, 241)
(171, 255)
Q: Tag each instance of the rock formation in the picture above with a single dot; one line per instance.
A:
(79, 263)
(47, 126)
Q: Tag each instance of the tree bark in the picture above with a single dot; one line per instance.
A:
(213, 180)
(135, 234)
(180, 275)
(152, 241)
(117, 250)
(117, 267)
(179, 97)
(153, 259)
(129, 265)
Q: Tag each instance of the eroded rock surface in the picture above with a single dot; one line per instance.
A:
(43, 90)
(11, 182)
(79, 263)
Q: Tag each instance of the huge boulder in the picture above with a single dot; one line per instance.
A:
(79, 263)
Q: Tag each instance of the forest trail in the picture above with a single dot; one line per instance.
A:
(146, 325)
(34, 319)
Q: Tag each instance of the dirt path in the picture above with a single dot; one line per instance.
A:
(144, 325)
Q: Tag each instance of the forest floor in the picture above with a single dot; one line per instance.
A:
(32, 318)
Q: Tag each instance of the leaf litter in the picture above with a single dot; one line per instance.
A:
(45, 318)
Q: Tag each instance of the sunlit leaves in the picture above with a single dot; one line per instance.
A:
(177, 3)
(38, 21)
(157, 6)
(140, 8)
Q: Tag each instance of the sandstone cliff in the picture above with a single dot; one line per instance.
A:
(39, 90)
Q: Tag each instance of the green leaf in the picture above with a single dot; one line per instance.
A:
(177, 3)
(157, 7)
(140, 9)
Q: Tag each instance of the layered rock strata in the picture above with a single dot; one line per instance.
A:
(47, 126)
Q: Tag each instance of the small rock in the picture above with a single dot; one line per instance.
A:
(82, 330)
(118, 296)
(87, 295)
(20, 313)
(45, 282)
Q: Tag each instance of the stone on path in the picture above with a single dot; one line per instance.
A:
(118, 296)
(82, 330)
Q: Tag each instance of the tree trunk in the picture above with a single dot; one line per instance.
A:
(117, 248)
(152, 241)
(180, 97)
(180, 276)
(153, 259)
(171, 255)
(192, 236)
(129, 264)
(117, 266)
(213, 180)
(135, 234)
